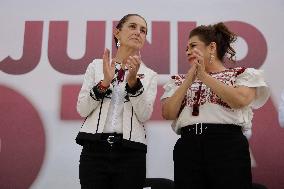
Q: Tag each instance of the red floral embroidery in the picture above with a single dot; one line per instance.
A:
(199, 94)
(178, 79)
(195, 110)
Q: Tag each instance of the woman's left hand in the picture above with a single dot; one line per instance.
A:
(133, 64)
(200, 66)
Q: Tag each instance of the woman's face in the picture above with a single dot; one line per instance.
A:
(133, 33)
(195, 42)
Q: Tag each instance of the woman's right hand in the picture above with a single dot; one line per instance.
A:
(191, 74)
(108, 68)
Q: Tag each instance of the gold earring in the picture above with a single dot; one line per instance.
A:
(212, 57)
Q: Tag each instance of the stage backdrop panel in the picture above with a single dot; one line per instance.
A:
(46, 46)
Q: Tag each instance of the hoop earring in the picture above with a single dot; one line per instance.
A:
(118, 44)
(212, 57)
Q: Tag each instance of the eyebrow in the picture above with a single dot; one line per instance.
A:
(192, 42)
(137, 24)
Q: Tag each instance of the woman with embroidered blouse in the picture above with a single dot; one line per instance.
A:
(211, 107)
(116, 99)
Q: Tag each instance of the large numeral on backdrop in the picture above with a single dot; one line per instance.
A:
(22, 140)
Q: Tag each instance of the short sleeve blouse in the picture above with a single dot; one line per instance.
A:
(212, 109)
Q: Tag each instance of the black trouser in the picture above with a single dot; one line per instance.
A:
(105, 166)
(214, 157)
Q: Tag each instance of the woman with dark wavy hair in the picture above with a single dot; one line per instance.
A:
(211, 107)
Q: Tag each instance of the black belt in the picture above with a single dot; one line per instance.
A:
(111, 138)
(210, 128)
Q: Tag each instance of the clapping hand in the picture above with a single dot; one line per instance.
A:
(199, 62)
(133, 65)
(108, 68)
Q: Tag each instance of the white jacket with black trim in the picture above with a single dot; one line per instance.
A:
(138, 105)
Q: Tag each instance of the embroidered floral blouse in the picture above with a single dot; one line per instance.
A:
(211, 108)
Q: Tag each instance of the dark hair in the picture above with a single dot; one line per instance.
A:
(123, 20)
(221, 35)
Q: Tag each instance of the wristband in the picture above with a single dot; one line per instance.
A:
(102, 88)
